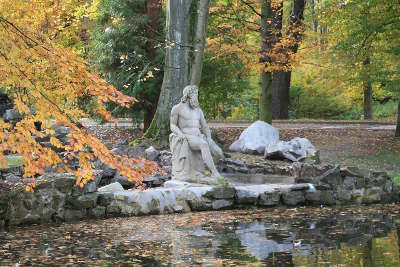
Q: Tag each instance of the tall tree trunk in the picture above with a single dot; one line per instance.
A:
(368, 113)
(199, 42)
(398, 120)
(177, 62)
(265, 96)
(277, 17)
(281, 79)
(271, 26)
(314, 20)
(281, 86)
(154, 27)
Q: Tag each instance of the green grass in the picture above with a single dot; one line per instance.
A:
(387, 110)
(13, 161)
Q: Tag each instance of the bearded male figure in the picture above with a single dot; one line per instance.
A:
(190, 141)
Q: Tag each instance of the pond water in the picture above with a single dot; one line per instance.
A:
(319, 236)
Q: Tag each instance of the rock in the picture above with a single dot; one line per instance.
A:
(155, 180)
(221, 204)
(111, 188)
(97, 212)
(165, 158)
(74, 215)
(151, 153)
(357, 195)
(313, 197)
(221, 192)
(246, 196)
(123, 180)
(296, 149)
(304, 172)
(327, 197)
(84, 201)
(349, 182)
(293, 198)
(270, 198)
(113, 208)
(91, 186)
(12, 178)
(355, 172)
(117, 151)
(136, 151)
(344, 195)
(372, 195)
(256, 138)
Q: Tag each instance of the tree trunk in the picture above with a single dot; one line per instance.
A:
(368, 113)
(199, 42)
(266, 96)
(177, 62)
(154, 27)
(281, 79)
(271, 24)
(314, 20)
(281, 87)
(398, 120)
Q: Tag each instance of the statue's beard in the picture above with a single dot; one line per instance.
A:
(194, 103)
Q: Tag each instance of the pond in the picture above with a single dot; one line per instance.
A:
(305, 236)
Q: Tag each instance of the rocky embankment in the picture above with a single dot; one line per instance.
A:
(57, 199)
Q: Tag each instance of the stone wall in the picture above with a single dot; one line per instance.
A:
(57, 199)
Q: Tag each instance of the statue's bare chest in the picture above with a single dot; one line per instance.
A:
(189, 117)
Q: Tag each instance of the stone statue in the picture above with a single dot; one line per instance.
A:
(190, 141)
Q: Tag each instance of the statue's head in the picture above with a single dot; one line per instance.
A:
(190, 95)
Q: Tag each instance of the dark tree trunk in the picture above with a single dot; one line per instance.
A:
(281, 85)
(398, 120)
(271, 26)
(154, 28)
(281, 79)
(368, 113)
(177, 64)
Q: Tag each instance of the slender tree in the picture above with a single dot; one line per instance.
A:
(281, 79)
(398, 120)
(367, 86)
(199, 42)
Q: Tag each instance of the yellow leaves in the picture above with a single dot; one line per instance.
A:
(55, 142)
(42, 75)
(30, 187)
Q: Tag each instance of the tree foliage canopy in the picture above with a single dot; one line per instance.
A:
(46, 81)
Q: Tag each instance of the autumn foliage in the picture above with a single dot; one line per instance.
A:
(46, 81)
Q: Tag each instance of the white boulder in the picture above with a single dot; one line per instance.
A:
(111, 188)
(256, 138)
(296, 149)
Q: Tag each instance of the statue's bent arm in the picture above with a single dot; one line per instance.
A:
(204, 127)
(174, 122)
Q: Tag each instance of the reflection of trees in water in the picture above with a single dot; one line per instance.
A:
(353, 238)
(341, 238)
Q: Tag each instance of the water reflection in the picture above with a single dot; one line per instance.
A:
(358, 236)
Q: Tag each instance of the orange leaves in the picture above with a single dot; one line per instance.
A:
(30, 187)
(47, 82)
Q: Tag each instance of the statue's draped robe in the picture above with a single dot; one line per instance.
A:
(188, 163)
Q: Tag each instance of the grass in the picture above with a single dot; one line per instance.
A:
(13, 161)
